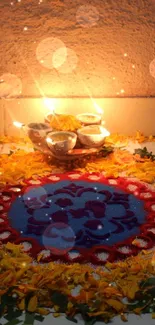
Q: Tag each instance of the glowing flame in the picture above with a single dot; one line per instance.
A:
(18, 124)
(48, 140)
(99, 110)
(49, 103)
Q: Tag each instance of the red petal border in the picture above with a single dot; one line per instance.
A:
(84, 255)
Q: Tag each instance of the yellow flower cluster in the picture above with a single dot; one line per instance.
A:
(123, 163)
(121, 138)
(21, 165)
(65, 123)
(13, 139)
(101, 290)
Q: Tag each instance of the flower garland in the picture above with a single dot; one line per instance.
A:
(139, 137)
(99, 295)
(21, 165)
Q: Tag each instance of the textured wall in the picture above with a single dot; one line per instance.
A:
(102, 49)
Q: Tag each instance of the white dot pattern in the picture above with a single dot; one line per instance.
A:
(103, 256)
(4, 234)
(73, 255)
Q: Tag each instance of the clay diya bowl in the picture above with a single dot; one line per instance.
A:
(60, 142)
(89, 119)
(37, 131)
(92, 136)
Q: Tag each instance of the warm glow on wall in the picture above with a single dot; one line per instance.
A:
(50, 103)
(88, 53)
(99, 110)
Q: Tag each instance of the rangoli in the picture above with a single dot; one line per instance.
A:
(77, 217)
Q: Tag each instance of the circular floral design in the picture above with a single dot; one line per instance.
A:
(106, 218)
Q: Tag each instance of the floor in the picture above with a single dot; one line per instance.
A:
(132, 319)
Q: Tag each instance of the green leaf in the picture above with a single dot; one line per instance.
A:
(10, 153)
(106, 151)
(96, 304)
(91, 321)
(7, 301)
(144, 153)
(148, 283)
(148, 310)
(13, 322)
(143, 301)
(72, 319)
(13, 314)
(27, 299)
(151, 292)
(39, 318)
(83, 309)
(60, 300)
(29, 319)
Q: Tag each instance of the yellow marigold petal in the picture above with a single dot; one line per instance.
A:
(69, 306)
(20, 273)
(117, 305)
(123, 318)
(137, 311)
(32, 305)
(42, 311)
(56, 308)
(21, 305)
(110, 291)
(56, 314)
(97, 313)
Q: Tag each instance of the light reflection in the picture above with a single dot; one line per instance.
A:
(18, 124)
(49, 103)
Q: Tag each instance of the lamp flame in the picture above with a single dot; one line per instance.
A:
(99, 110)
(49, 104)
(48, 140)
(18, 124)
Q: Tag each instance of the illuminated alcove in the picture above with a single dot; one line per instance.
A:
(72, 54)
(78, 56)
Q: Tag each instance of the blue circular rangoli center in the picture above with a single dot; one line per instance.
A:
(87, 213)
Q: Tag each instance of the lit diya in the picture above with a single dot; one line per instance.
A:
(89, 119)
(61, 142)
(37, 132)
(93, 135)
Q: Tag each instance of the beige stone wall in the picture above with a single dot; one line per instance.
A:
(110, 47)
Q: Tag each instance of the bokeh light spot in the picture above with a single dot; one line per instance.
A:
(59, 57)
(59, 238)
(34, 197)
(87, 16)
(70, 62)
(46, 49)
